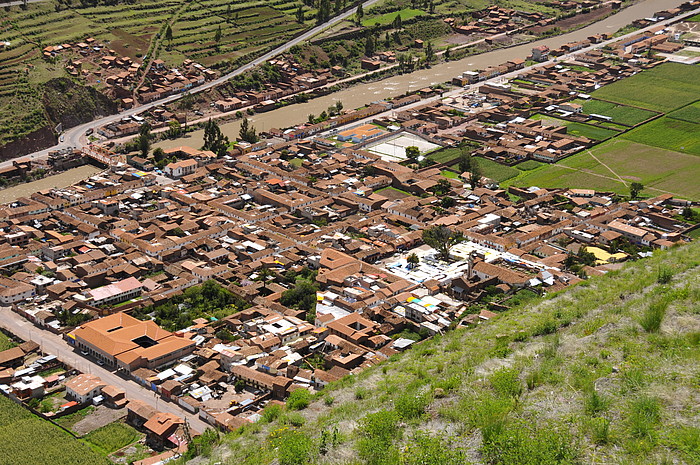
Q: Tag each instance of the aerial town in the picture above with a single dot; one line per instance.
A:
(182, 288)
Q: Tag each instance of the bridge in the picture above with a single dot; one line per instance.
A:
(103, 155)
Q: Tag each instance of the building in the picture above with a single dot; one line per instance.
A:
(540, 53)
(115, 293)
(180, 168)
(84, 387)
(124, 342)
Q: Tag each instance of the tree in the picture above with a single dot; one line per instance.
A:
(217, 35)
(465, 163)
(447, 53)
(174, 129)
(397, 24)
(263, 275)
(144, 139)
(442, 187)
(412, 260)
(300, 14)
(447, 202)
(412, 152)
(474, 174)
(158, 154)
(338, 6)
(441, 238)
(324, 11)
(359, 13)
(169, 34)
(247, 132)
(302, 296)
(214, 139)
(635, 189)
(429, 53)
(369, 46)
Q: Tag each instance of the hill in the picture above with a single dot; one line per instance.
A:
(605, 372)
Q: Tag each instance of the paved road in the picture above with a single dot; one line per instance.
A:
(54, 344)
(74, 137)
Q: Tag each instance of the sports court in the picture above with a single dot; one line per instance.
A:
(394, 148)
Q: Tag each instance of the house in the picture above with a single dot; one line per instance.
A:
(11, 358)
(540, 53)
(114, 397)
(180, 168)
(84, 387)
(159, 429)
(118, 292)
(126, 343)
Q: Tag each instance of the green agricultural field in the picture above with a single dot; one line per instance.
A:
(496, 171)
(658, 169)
(669, 133)
(690, 113)
(112, 437)
(622, 114)
(578, 129)
(449, 174)
(26, 439)
(387, 18)
(529, 165)
(663, 88)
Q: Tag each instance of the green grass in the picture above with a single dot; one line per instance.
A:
(27, 439)
(591, 384)
(577, 129)
(449, 174)
(445, 155)
(668, 133)
(529, 165)
(112, 437)
(5, 342)
(693, 19)
(296, 162)
(690, 113)
(654, 167)
(663, 88)
(496, 171)
(622, 114)
(71, 419)
(388, 18)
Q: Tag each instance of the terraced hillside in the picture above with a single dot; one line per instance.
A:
(131, 29)
(603, 373)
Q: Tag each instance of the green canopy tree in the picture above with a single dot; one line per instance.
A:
(441, 238)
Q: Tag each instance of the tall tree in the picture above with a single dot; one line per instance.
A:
(300, 14)
(214, 139)
(412, 152)
(474, 174)
(217, 35)
(412, 260)
(359, 13)
(441, 238)
(465, 162)
(144, 140)
(369, 46)
(429, 53)
(635, 189)
(247, 132)
(169, 35)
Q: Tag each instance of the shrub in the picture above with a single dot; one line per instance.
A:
(653, 316)
(271, 413)
(299, 399)
(378, 432)
(506, 382)
(595, 403)
(361, 393)
(600, 430)
(664, 275)
(519, 444)
(411, 406)
(645, 413)
(293, 419)
(328, 400)
(431, 450)
(293, 448)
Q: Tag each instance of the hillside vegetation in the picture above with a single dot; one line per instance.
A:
(604, 373)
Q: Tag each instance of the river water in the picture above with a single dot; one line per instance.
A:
(64, 179)
(362, 94)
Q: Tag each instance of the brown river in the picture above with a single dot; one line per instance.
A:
(362, 94)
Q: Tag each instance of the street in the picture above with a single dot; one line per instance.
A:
(53, 344)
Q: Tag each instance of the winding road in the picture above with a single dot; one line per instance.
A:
(72, 137)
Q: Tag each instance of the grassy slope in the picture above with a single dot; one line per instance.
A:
(573, 378)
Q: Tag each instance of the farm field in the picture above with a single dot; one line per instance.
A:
(493, 170)
(663, 88)
(669, 133)
(690, 113)
(387, 18)
(112, 437)
(629, 116)
(659, 170)
(5, 342)
(577, 129)
(18, 426)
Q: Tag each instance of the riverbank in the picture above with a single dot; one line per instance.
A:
(365, 93)
(64, 179)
